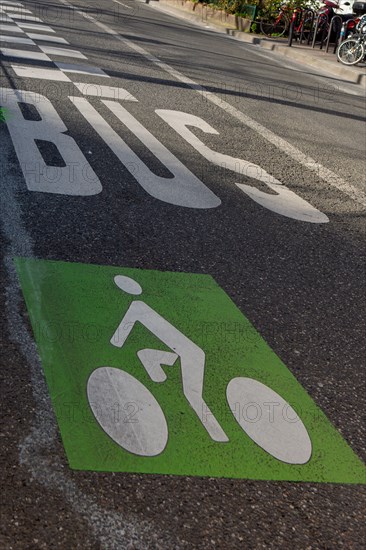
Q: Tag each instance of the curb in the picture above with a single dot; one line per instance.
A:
(187, 11)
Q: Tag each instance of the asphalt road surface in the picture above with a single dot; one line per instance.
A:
(134, 141)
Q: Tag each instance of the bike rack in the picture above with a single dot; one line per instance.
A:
(320, 17)
(303, 18)
(311, 13)
(291, 33)
(334, 19)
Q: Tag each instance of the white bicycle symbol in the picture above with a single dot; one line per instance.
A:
(285, 438)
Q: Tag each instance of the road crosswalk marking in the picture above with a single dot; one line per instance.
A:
(16, 40)
(48, 38)
(63, 52)
(44, 73)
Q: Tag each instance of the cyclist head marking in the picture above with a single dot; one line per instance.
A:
(128, 285)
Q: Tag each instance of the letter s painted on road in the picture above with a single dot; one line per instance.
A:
(285, 202)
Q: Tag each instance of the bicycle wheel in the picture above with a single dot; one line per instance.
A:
(277, 429)
(127, 411)
(272, 27)
(351, 51)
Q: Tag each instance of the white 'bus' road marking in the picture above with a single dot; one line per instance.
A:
(110, 92)
(82, 69)
(63, 52)
(16, 40)
(47, 38)
(286, 147)
(25, 71)
(24, 54)
(35, 27)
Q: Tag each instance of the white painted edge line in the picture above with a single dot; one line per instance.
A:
(293, 152)
(26, 71)
(110, 92)
(122, 4)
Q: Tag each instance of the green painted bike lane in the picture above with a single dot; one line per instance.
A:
(75, 309)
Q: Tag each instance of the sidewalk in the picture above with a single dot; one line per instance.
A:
(302, 53)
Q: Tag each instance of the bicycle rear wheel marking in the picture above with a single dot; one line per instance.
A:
(127, 411)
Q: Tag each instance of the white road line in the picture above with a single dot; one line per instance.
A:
(82, 69)
(16, 39)
(290, 150)
(47, 38)
(63, 52)
(122, 4)
(110, 92)
(14, 9)
(25, 17)
(10, 3)
(24, 54)
(35, 27)
(26, 71)
(10, 28)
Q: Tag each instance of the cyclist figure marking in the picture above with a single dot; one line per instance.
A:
(191, 356)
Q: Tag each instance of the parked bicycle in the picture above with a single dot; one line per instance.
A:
(353, 50)
(299, 20)
(276, 24)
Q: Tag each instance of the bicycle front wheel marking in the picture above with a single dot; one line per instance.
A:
(127, 411)
(269, 420)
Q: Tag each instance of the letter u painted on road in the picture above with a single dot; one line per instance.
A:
(183, 189)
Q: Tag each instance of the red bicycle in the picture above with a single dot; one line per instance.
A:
(276, 24)
(300, 21)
